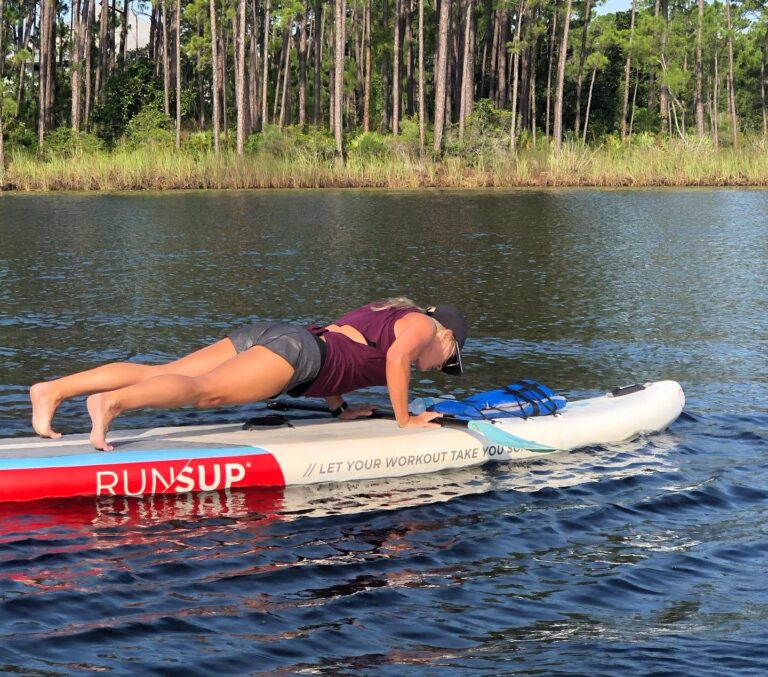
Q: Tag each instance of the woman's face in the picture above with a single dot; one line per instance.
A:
(437, 352)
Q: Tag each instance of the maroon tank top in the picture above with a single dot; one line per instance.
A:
(350, 365)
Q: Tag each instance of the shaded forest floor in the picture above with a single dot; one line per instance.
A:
(673, 164)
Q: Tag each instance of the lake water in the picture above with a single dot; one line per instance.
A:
(649, 557)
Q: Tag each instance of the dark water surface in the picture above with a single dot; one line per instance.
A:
(648, 558)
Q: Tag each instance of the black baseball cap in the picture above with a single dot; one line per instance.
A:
(452, 318)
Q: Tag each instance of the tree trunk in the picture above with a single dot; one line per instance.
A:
(422, 104)
(698, 102)
(467, 71)
(367, 58)
(53, 19)
(76, 73)
(331, 73)
(88, 60)
(589, 103)
(664, 89)
(265, 66)
(285, 115)
(503, 56)
(532, 94)
(112, 23)
(731, 92)
(487, 38)
(200, 85)
(338, 83)
(152, 44)
(166, 62)
(492, 67)
(396, 79)
(177, 30)
(240, 83)
(515, 74)
(550, 57)
(215, 74)
(441, 70)
(45, 10)
(101, 66)
(582, 57)
(634, 102)
(715, 98)
(253, 68)
(410, 83)
(358, 43)
(25, 44)
(318, 41)
(385, 71)
(558, 125)
(302, 51)
(279, 79)
(763, 50)
(524, 77)
(627, 68)
(111, 28)
(124, 32)
(223, 52)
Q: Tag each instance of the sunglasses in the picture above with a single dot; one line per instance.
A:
(453, 364)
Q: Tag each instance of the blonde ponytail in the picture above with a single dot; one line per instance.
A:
(396, 303)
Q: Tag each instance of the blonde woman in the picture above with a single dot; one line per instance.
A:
(370, 346)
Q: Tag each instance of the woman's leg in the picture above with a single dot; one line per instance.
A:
(250, 376)
(48, 395)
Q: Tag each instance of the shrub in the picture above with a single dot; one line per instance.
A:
(19, 136)
(292, 143)
(127, 92)
(486, 134)
(199, 142)
(65, 142)
(151, 127)
(407, 142)
(369, 146)
(643, 140)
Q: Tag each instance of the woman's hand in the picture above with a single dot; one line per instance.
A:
(423, 420)
(357, 411)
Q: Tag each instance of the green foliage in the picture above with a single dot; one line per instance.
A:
(151, 127)
(65, 142)
(18, 135)
(127, 92)
(486, 133)
(7, 101)
(406, 143)
(369, 146)
(643, 140)
(292, 143)
(199, 143)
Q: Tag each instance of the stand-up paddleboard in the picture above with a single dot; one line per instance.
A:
(210, 457)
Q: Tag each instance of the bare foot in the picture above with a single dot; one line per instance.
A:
(44, 405)
(102, 413)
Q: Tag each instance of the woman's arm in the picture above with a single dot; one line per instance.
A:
(414, 334)
(348, 413)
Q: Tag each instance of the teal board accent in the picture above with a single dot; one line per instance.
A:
(493, 432)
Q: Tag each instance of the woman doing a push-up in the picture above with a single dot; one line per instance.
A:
(370, 346)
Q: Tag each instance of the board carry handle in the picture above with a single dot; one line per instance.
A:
(485, 428)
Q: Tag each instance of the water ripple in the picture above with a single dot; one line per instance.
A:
(645, 557)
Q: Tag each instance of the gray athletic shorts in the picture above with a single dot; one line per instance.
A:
(296, 345)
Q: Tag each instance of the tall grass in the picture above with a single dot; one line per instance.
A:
(672, 164)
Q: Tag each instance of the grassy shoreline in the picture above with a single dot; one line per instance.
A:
(671, 165)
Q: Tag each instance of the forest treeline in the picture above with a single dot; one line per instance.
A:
(539, 70)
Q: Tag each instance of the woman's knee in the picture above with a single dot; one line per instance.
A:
(207, 394)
